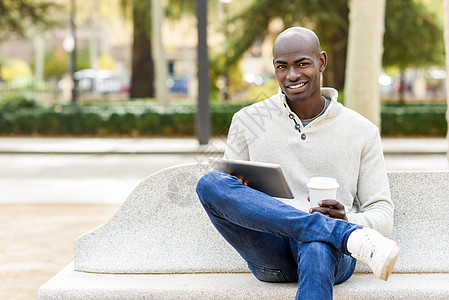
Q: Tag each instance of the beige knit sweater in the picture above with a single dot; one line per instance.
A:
(340, 144)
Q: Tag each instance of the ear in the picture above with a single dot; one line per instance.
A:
(323, 61)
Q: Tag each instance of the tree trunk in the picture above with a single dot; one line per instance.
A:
(364, 58)
(402, 86)
(335, 70)
(160, 63)
(142, 64)
(336, 45)
(446, 45)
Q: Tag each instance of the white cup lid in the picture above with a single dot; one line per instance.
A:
(323, 183)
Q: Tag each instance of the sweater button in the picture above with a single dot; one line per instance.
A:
(303, 137)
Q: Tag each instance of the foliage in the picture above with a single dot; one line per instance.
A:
(175, 9)
(56, 62)
(329, 19)
(413, 36)
(18, 15)
(22, 115)
(14, 68)
(414, 120)
(16, 102)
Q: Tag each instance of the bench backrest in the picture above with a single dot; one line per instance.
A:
(162, 228)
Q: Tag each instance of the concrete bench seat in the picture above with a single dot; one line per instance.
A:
(160, 244)
(80, 285)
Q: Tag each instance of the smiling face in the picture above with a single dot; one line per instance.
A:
(298, 63)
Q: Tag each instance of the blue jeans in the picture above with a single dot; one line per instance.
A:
(279, 242)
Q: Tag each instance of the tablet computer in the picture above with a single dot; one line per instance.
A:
(265, 177)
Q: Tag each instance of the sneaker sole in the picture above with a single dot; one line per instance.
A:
(392, 257)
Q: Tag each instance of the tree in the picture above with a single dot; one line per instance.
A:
(140, 11)
(446, 43)
(413, 37)
(18, 15)
(175, 9)
(364, 58)
(142, 78)
(329, 19)
(56, 63)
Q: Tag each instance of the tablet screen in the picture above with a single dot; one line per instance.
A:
(265, 177)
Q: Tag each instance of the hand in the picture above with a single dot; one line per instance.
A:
(240, 179)
(330, 208)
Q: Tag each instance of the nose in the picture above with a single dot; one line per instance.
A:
(293, 74)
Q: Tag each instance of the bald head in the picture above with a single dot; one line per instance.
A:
(298, 63)
(297, 37)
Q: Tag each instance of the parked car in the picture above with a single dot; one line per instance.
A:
(100, 81)
(178, 84)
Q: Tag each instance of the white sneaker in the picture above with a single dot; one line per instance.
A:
(372, 248)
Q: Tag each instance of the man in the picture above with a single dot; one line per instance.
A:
(305, 130)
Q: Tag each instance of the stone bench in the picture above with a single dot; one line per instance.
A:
(160, 244)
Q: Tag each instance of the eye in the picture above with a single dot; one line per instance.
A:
(303, 64)
(280, 67)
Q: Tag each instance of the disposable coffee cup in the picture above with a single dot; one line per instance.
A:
(321, 188)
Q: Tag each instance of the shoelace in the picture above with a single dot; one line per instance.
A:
(370, 254)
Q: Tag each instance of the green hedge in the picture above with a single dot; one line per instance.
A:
(414, 120)
(23, 116)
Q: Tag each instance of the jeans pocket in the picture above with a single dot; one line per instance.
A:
(268, 275)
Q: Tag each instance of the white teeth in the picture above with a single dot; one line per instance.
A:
(297, 86)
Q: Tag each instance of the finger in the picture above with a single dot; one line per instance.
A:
(337, 214)
(319, 210)
(330, 203)
(329, 212)
(242, 181)
(322, 210)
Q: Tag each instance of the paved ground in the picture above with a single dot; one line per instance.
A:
(104, 171)
(36, 241)
(53, 190)
(86, 178)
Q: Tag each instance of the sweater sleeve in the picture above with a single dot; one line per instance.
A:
(236, 144)
(373, 190)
